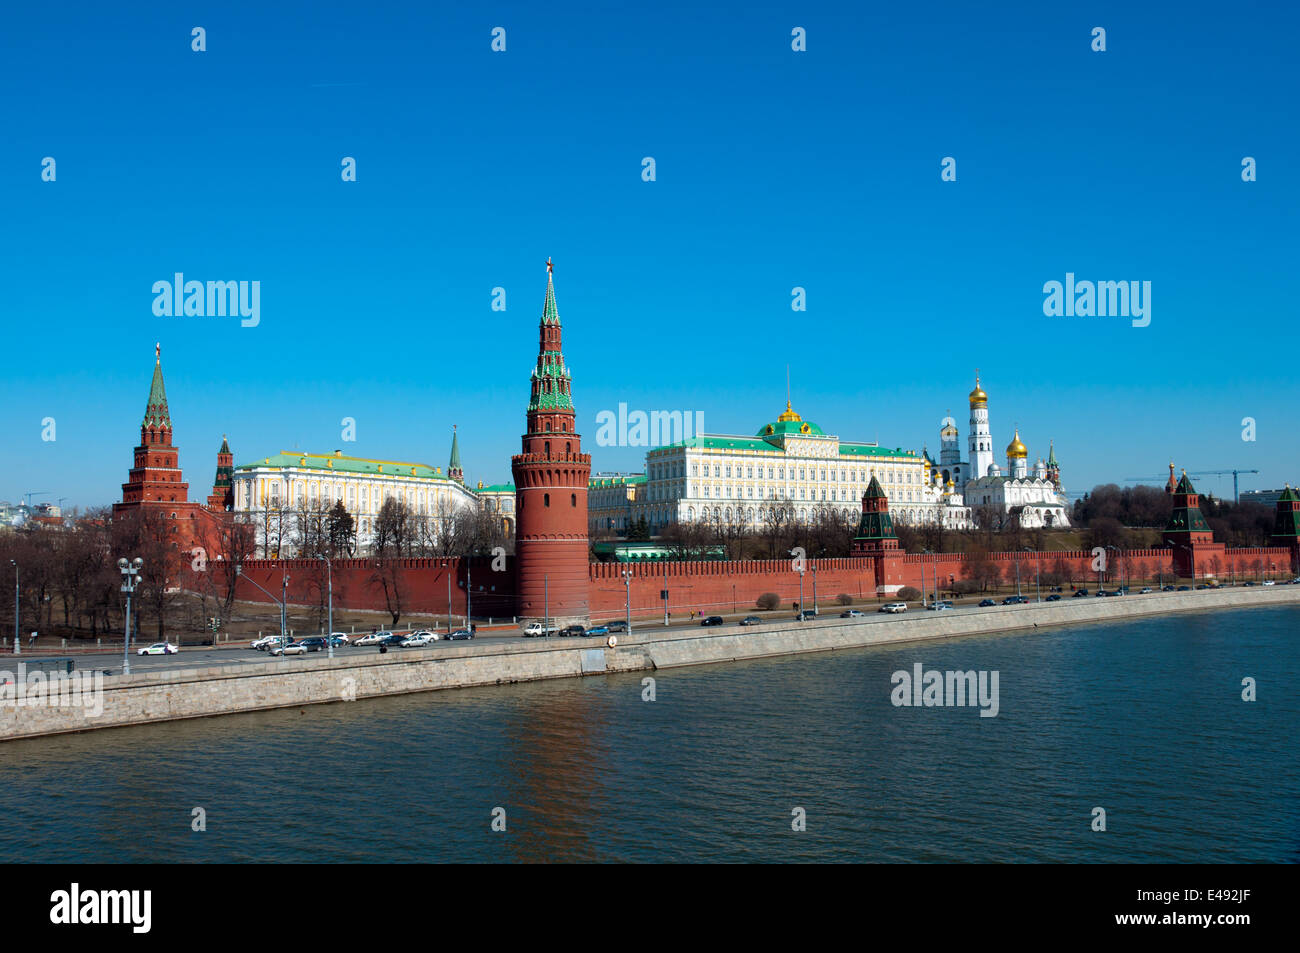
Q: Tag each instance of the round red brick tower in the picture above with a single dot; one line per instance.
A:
(551, 550)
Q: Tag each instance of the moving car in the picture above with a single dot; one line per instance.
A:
(936, 606)
(1014, 601)
(1184, 588)
(985, 603)
(1053, 598)
(598, 630)
(416, 639)
(293, 648)
(807, 614)
(1269, 582)
(1144, 590)
(159, 648)
(754, 620)
(263, 643)
(711, 620)
(894, 607)
(618, 625)
(460, 635)
(1080, 592)
(1167, 589)
(313, 643)
(374, 638)
(392, 639)
(337, 638)
(851, 614)
(574, 630)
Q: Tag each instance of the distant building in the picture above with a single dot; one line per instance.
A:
(611, 499)
(1266, 497)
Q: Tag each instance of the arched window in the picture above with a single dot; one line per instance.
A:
(546, 499)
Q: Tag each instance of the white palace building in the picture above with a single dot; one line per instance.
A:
(737, 480)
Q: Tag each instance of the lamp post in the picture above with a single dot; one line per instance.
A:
(1191, 552)
(923, 589)
(814, 575)
(18, 642)
(1017, 575)
(800, 585)
(1038, 571)
(130, 577)
(627, 605)
(469, 595)
(329, 576)
(448, 596)
(239, 573)
(546, 605)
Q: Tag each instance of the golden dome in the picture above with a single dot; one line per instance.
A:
(788, 414)
(1015, 448)
(977, 396)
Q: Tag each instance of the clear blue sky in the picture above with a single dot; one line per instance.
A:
(775, 169)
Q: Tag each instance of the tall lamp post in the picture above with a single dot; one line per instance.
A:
(1191, 552)
(130, 577)
(239, 574)
(329, 575)
(923, 589)
(800, 586)
(18, 642)
(814, 575)
(1120, 556)
(627, 605)
(1038, 571)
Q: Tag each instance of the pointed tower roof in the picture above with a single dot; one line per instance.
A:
(156, 414)
(1185, 485)
(874, 490)
(225, 446)
(454, 463)
(550, 313)
(1051, 454)
(1289, 495)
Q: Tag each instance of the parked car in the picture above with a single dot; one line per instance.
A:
(313, 643)
(618, 625)
(159, 648)
(1167, 589)
(292, 648)
(1014, 601)
(574, 630)
(894, 607)
(751, 620)
(1144, 590)
(806, 615)
(985, 603)
(598, 630)
(851, 614)
(712, 620)
(1269, 582)
(941, 604)
(392, 640)
(1053, 598)
(374, 638)
(1184, 588)
(460, 635)
(417, 639)
(1080, 592)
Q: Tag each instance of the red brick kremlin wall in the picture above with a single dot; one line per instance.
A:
(701, 586)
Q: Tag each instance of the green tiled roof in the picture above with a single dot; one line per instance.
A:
(759, 445)
(156, 413)
(865, 450)
(594, 482)
(791, 427)
(332, 463)
(498, 488)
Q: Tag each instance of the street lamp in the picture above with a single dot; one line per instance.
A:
(329, 575)
(130, 578)
(627, 605)
(18, 642)
(800, 559)
(1038, 571)
(239, 573)
(814, 575)
(923, 589)
(1192, 553)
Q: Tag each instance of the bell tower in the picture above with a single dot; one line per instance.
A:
(551, 474)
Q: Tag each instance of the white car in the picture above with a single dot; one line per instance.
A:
(894, 607)
(342, 637)
(293, 648)
(264, 643)
(159, 648)
(374, 638)
(1270, 582)
(537, 630)
(416, 639)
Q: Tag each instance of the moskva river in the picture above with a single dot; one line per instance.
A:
(806, 758)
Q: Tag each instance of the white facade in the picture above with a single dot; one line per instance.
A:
(739, 480)
(278, 487)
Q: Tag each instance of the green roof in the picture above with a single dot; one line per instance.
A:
(1289, 495)
(759, 445)
(497, 488)
(340, 464)
(616, 481)
(156, 413)
(804, 428)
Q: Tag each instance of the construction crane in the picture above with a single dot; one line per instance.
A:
(1234, 473)
(32, 493)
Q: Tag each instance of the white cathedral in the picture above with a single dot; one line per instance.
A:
(1036, 500)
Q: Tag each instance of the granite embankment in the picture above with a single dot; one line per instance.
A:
(196, 693)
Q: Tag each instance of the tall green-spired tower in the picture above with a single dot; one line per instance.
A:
(1187, 529)
(1286, 525)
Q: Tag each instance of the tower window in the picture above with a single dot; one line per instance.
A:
(546, 499)
(573, 499)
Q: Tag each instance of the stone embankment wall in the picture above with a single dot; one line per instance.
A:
(279, 683)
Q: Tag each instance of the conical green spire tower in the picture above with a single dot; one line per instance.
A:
(876, 523)
(551, 382)
(453, 465)
(156, 414)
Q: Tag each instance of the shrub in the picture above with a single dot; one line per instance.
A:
(844, 599)
(908, 593)
(768, 600)
(964, 587)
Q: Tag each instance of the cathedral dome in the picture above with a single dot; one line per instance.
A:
(977, 396)
(1017, 449)
(949, 430)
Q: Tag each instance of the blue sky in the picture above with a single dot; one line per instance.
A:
(775, 169)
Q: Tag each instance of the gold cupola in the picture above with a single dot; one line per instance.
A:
(1017, 449)
(977, 396)
(788, 414)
